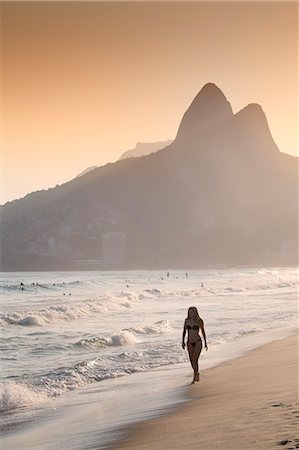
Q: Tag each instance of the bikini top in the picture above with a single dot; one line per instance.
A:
(195, 327)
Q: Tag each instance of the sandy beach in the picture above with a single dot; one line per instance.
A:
(250, 402)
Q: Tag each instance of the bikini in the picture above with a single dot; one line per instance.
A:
(195, 327)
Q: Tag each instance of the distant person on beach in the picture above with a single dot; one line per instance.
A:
(194, 324)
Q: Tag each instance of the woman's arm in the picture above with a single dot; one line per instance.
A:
(184, 334)
(204, 334)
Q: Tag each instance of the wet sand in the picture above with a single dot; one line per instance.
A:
(250, 402)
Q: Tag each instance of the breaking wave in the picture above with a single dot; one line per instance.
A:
(160, 327)
(70, 311)
(16, 395)
(73, 310)
(31, 392)
(125, 337)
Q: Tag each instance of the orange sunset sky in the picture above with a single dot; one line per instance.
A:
(82, 82)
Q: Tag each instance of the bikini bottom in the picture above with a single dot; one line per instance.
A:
(194, 343)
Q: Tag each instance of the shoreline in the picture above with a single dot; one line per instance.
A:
(250, 401)
(157, 395)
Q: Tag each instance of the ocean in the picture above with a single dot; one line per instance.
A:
(84, 354)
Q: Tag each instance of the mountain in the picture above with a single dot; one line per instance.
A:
(141, 149)
(220, 195)
(207, 111)
(145, 148)
(86, 171)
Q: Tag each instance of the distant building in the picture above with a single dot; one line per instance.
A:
(114, 246)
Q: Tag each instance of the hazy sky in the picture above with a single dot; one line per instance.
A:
(83, 82)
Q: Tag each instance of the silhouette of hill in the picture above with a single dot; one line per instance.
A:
(141, 149)
(86, 171)
(145, 148)
(208, 110)
(220, 195)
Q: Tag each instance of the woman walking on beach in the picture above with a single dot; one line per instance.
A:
(193, 324)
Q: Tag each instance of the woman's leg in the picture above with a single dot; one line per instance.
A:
(195, 357)
(190, 351)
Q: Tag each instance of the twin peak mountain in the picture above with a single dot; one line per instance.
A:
(210, 111)
(220, 194)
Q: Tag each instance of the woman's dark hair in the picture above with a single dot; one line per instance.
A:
(194, 309)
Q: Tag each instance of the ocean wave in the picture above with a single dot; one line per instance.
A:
(117, 302)
(160, 327)
(156, 292)
(267, 272)
(68, 312)
(227, 336)
(63, 380)
(74, 310)
(125, 337)
(16, 395)
(104, 304)
(32, 390)
(52, 314)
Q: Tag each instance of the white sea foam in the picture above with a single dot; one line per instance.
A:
(69, 312)
(16, 395)
(73, 310)
(124, 299)
(61, 380)
(125, 337)
(223, 337)
(160, 327)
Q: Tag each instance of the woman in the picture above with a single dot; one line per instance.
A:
(194, 324)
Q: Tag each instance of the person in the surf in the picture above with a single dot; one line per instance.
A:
(193, 325)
